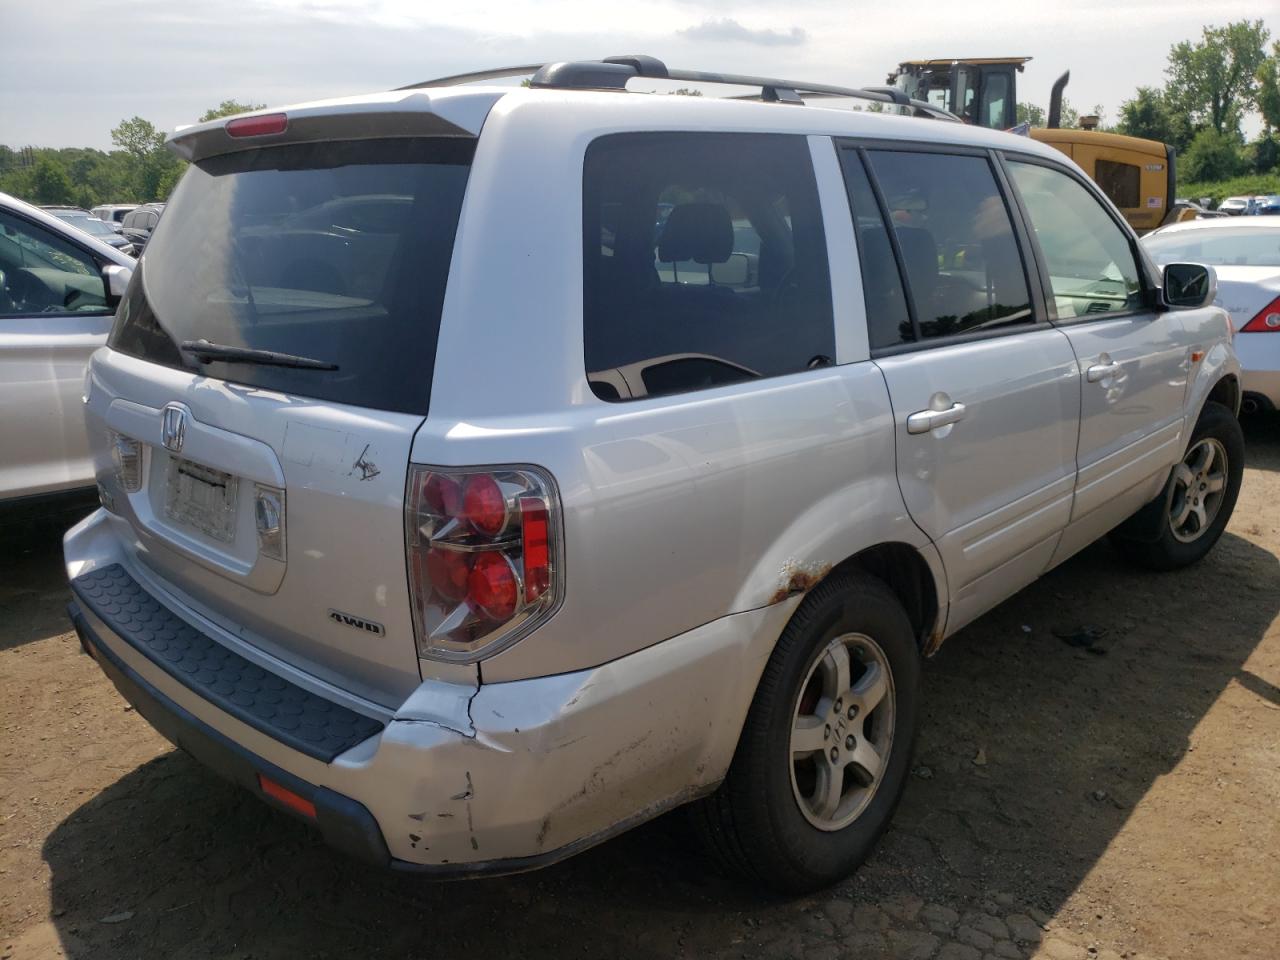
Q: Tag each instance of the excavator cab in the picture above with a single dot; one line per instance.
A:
(1138, 175)
(981, 91)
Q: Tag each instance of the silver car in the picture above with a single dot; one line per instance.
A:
(58, 291)
(486, 470)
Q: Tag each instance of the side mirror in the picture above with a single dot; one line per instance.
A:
(116, 277)
(1189, 285)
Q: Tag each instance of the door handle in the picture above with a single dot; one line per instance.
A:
(926, 420)
(1101, 371)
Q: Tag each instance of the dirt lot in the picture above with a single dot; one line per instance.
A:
(1112, 798)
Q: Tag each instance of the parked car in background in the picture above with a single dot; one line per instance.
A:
(59, 287)
(1268, 206)
(491, 521)
(1191, 210)
(139, 222)
(113, 212)
(1237, 206)
(83, 220)
(1245, 252)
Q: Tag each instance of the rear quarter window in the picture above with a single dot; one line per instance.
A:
(704, 262)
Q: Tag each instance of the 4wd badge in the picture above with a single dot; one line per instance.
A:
(358, 623)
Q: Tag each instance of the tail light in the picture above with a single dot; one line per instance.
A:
(260, 126)
(1266, 321)
(484, 557)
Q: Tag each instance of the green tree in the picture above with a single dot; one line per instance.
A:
(229, 108)
(1215, 81)
(1146, 115)
(151, 170)
(50, 183)
(1268, 97)
(1211, 156)
(1030, 113)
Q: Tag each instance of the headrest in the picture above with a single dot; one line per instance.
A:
(701, 232)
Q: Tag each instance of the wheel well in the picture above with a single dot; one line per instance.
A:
(908, 575)
(1226, 392)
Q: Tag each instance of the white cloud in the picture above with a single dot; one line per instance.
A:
(726, 29)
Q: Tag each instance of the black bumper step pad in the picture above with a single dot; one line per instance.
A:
(282, 710)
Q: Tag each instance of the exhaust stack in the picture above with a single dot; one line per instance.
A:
(1055, 101)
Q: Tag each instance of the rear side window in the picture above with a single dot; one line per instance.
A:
(956, 238)
(704, 262)
(888, 320)
(1091, 266)
(337, 252)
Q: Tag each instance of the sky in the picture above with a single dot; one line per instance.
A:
(70, 70)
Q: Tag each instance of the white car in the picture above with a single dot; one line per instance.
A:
(59, 288)
(1237, 206)
(1245, 252)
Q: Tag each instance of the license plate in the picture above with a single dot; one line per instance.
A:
(202, 498)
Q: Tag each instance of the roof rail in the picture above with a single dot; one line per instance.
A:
(612, 73)
(497, 73)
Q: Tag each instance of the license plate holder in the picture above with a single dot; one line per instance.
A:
(202, 498)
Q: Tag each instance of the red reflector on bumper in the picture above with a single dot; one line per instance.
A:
(290, 799)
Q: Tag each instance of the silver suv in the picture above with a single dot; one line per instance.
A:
(486, 470)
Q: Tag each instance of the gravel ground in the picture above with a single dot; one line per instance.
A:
(1109, 795)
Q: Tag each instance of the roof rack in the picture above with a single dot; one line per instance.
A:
(612, 73)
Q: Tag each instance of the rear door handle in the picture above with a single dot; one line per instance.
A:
(1102, 371)
(926, 420)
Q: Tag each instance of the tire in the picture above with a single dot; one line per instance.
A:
(760, 823)
(1180, 544)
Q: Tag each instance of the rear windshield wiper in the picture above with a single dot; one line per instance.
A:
(207, 352)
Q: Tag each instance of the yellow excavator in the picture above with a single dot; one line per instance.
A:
(1138, 175)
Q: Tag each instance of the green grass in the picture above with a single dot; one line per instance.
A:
(1249, 185)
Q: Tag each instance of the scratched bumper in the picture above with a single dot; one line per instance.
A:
(494, 778)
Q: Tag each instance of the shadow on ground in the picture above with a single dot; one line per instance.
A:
(33, 587)
(1033, 754)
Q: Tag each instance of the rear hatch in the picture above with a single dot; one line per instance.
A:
(271, 362)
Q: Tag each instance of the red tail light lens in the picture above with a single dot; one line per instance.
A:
(483, 557)
(492, 587)
(1266, 321)
(259, 126)
(484, 505)
(448, 571)
(535, 527)
(442, 495)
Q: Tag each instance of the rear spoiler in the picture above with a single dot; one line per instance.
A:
(417, 113)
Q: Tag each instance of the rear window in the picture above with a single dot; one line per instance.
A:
(1219, 246)
(337, 252)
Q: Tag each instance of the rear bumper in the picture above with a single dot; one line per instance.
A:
(461, 779)
(1263, 383)
(1260, 365)
(344, 823)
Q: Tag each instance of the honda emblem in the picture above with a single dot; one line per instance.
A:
(173, 428)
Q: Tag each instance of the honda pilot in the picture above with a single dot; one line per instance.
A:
(485, 470)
